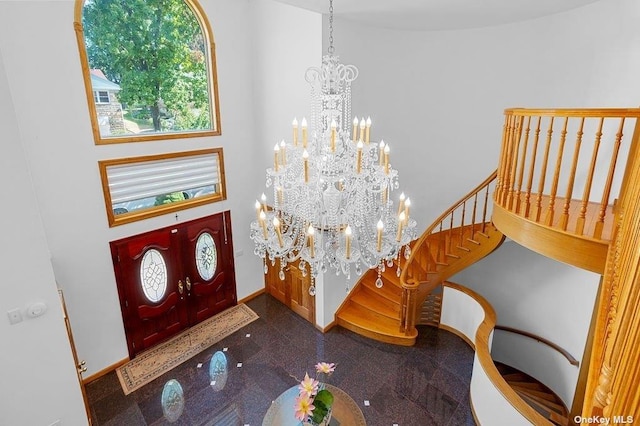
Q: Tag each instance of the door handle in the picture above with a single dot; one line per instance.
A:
(188, 281)
(180, 287)
(81, 366)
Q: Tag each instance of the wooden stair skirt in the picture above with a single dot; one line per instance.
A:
(538, 396)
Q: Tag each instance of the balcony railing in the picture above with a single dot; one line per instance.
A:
(560, 167)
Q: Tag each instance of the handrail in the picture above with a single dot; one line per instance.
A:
(543, 153)
(420, 263)
(483, 356)
(540, 339)
(425, 235)
(576, 112)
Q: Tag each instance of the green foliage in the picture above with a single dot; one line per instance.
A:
(155, 51)
(169, 198)
(322, 401)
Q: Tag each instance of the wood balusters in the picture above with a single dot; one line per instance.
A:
(557, 172)
(543, 173)
(607, 189)
(556, 175)
(445, 244)
(572, 178)
(532, 166)
(587, 187)
(522, 165)
(612, 385)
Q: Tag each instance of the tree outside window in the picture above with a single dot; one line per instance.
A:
(159, 54)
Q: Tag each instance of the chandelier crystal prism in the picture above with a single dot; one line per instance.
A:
(332, 203)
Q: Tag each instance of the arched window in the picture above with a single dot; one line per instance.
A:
(149, 68)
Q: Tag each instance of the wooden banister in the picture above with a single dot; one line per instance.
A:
(540, 339)
(482, 348)
(561, 170)
(448, 238)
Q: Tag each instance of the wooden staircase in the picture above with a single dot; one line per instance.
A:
(557, 192)
(455, 241)
(538, 396)
(375, 312)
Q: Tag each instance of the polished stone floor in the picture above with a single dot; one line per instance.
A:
(427, 384)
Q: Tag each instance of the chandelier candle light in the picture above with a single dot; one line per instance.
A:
(332, 191)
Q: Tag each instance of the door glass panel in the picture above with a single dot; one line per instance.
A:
(153, 275)
(206, 256)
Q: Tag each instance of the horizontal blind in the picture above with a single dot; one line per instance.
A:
(134, 181)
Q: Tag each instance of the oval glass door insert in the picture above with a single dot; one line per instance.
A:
(206, 256)
(153, 275)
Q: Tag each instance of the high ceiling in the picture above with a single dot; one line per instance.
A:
(439, 14)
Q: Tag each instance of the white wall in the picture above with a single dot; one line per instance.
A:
(438, 97)
(287, 41)
(536, 294)
(39, 49)
(36, 364)
(461, 312)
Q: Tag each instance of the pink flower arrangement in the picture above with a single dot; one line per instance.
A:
(313, 403)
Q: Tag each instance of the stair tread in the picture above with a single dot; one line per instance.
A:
(527, 385)
(559, 419)
(372, 321)
(390, 275)
(370, 300)
(389, 290)
(516, 377)
(550, 406)
(542, 394)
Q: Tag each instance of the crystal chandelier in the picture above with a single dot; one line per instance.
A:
(332, 204)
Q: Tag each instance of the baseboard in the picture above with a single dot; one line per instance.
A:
(104, 371)
(328, 327)
(251, 296)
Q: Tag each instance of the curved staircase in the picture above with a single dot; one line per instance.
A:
(538, 396)
(375, 312)
(558, 191)
(459, 238)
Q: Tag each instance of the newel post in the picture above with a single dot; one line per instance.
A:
(409, 294)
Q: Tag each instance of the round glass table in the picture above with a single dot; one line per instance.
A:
(345, 411)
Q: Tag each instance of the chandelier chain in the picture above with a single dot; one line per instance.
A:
(331, 49)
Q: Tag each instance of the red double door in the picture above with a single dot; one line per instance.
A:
(172, 278)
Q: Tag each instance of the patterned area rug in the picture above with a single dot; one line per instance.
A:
(165, 356)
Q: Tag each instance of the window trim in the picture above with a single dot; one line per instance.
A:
(98, 99)
(121, 219)
(214, 103)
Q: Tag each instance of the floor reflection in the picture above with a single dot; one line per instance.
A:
(218, 371)
(234, 381)
(172, 400)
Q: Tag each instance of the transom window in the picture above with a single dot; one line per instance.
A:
(141, 187)
(153, 63)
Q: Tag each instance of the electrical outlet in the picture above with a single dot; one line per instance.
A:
(14, 316)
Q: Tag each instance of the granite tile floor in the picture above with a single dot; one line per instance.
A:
(427, 384)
